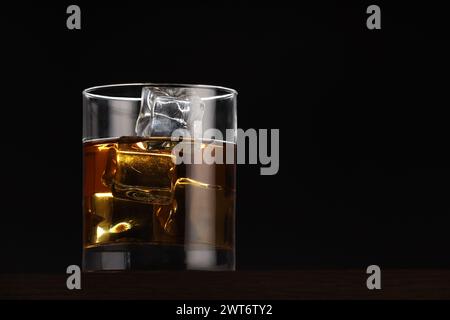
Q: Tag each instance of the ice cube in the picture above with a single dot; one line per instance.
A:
(116, 219)
(171, 218)
(101, 210)
(166, 216)
(164, 109)
(140, 171)
(131, 221)
(102, 205)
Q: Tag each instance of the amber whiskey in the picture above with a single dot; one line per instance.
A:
(143, 210)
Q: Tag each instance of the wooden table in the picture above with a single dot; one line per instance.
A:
(239, 285)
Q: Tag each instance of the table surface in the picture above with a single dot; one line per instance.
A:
(238, 285)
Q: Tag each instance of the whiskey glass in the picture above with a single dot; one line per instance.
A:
(159, 177)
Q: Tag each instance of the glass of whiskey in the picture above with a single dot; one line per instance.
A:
(159, 172)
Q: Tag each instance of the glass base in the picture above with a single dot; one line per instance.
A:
(149, 256)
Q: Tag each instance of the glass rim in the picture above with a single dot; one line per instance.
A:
(89, 92)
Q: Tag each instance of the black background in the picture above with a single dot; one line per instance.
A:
(364, 171)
